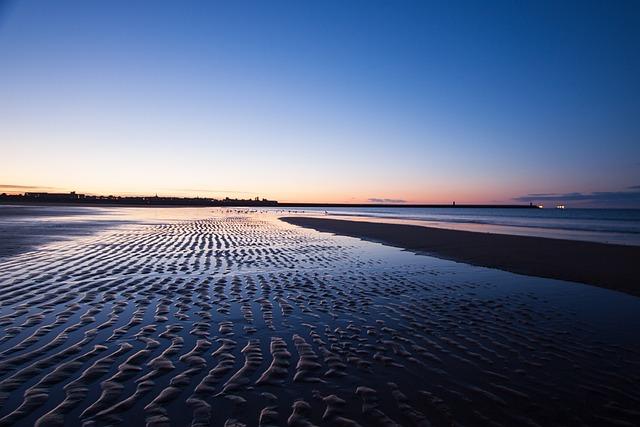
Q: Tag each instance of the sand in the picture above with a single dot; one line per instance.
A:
(605, 265)
(23, 228)
(232, 319)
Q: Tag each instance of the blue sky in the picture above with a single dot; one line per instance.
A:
(324, 101)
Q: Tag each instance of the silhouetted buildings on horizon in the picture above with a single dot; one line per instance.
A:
(76, 198)
(54, 196)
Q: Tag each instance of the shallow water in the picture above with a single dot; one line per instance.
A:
(202, 316)
(618, 226)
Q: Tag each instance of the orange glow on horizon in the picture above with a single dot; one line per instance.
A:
(297, 196)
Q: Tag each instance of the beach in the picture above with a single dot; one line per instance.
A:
(232, 318)
(599, 264)
(319, 214)
(24, 228)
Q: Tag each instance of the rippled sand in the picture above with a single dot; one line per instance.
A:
(245, 320)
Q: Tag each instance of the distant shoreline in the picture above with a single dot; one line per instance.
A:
(605, 265)
(392, 205)
(120, 203)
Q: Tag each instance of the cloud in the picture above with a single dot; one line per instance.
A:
(22, 187)
(627, 197)
(377, 200)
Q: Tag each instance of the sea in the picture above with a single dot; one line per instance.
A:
(619, 226)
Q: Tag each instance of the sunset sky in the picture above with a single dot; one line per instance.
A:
(346, 101)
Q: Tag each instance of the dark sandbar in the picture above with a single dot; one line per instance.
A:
(605, 265)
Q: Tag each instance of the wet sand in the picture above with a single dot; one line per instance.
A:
(24, 228)
(605, 265)
(241, 319)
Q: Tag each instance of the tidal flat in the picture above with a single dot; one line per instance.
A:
(233, 317)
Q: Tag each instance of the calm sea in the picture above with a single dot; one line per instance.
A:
(601, 225)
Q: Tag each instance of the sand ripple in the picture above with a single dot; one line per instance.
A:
(244, 320)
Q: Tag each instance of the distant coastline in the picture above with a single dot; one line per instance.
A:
(405, 205)
(74, 198)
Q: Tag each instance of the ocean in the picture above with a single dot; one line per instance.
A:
(620, 226)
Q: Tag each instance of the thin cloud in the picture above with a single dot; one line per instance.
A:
(630, 196)
(377, 200)
(23, 187)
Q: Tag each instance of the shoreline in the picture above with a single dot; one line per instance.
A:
(9, 200)
(610, 266)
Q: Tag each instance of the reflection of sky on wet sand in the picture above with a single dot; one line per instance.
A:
(441, 331)
(26, 227)
(609, 313)
(599, 305)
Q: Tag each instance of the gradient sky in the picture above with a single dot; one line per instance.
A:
(340, 101)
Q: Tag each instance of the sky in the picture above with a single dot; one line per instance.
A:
(321, 101)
